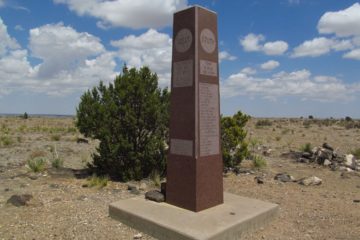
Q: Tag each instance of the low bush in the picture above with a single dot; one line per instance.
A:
(98, 181)
(307, 147)
(356, 153)
(259, 162)
(55, 137)
(263, 123)
(37, 164)
(6, 141)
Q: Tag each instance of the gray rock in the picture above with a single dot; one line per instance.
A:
(303, 160)
(155, 195)
(306, 155)
(138, 236)
(142, 186)
(259, 180)
(310, 181)
(327, 146)
(20, 200)
(132, 186)
(349, 161)
(135, 191)
(327, 162)
(284, 177)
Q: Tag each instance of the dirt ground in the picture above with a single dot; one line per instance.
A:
(62, 208)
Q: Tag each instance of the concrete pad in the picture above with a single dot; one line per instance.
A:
(164, 221)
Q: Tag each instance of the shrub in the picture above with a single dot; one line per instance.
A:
(155, 178)
(56, 162)
(37, 164)
(234, 147)
(311, 117)
(98, 181)
(259, 162)
(6, 141)
(263, 123)
(356, 153)
(25, 116)
(130, 118)
(348, 119)
(306, 147)
(55, 137)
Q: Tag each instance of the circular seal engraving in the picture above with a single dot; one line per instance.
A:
(183, 40)
(207, 40)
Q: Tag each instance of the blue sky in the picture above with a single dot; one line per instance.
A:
(279, 58)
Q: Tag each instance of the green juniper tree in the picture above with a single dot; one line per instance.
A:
(130, 118)
(233, 134)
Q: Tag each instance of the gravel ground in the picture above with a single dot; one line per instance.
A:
(62, 208)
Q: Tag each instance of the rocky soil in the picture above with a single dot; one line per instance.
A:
(60, 204)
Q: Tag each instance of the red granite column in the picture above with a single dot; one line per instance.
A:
(194, 172)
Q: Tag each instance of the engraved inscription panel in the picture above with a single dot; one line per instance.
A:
(183, 40)
(209, 119)
(207, 40)
(181, 147)
(208, 68)
(183, 73)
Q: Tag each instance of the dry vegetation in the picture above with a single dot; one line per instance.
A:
(66, 206)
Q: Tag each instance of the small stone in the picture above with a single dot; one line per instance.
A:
(6, 189)
(310, 181)
(327, 146)
(135, 191)
(143, 186)
(82, 198)
(327, 162)
(54, 185)
(259, 180)
(356, 201)
(138, 236)
(155, 195)
(85, 185)
(349, 160)
(20, 200)
(33, 177)
(56, 200)
(303, 160)
(284, 177)
(132, 186)
(306, 155)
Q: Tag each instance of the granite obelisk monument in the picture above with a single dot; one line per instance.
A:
(194, 169)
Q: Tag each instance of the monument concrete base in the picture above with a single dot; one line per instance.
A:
(164, 221)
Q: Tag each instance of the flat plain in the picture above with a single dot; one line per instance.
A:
(64, 206)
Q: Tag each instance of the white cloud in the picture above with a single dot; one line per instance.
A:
(291, 2)
(6, 42)
(248, 71)
(296, 84)
(270, 65)
(128, 13)
(253, 43)
(71, 61)
(224, 55)
(61, 48)
(342, 23)
(354, 54)
(19, 28)
(275, 48)
(320, 46)
(151, 48)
